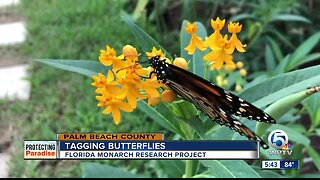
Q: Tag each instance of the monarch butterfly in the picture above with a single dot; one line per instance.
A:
(219, 104)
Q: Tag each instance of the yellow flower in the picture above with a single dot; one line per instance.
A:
(181, 62)
(108, 57)
(99, 81)
(113, 105)
(107, 84)
(215, 38)
(150, 87)
(219, 55)
(218, 24)
(195, 41)
(154, 53)
(235, 28)
(129, 82)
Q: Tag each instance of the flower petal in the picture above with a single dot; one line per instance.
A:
(116, 114)
(124, 106)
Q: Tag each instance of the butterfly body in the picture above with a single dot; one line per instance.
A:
(219, 104)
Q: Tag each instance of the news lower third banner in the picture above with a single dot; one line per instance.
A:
(136, 146)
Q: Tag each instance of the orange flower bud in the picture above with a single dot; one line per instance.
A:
(129, 51)
(181, 62)
(154, 101)
(168, 96)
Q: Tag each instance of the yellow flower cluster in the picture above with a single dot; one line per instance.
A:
(127, 81)
(124, 83)
(220, 45)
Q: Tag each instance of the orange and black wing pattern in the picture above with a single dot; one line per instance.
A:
(219, 104)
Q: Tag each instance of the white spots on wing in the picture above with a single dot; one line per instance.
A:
(244, 104)
(241, 100)
(163, 72)
(265, 117)
(223, 112)
(241, 109)
(227, 92)
(238, 112)
(167, 65)
(237, 127)
(250, 116)
(237, 122)
(258, 118)
(229, 98)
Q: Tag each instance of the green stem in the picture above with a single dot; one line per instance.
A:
(188, 170)
(206, 75)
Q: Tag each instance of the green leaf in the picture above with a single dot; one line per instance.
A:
(282, 67)
(285, 104)
(275, 48)
(289, 17)
(84, 67)
(314, 155)
(196, 124)
(96, 170)
(303, 50)
(230, 169)
(242, 16)
(145, 40)
(282, 85)
(282, 37)
(308, 58)
(269, 58)
(162, 115)
(312, 106)
(169, 168)
(267, 173)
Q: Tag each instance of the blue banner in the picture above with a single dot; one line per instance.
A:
(289, 164)
(158, 145)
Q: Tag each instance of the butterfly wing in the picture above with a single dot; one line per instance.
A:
(213, 100)
(221, 97)
(216, 114)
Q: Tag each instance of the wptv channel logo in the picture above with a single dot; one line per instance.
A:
(280, 141)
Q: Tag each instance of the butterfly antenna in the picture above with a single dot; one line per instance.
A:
(127, 67)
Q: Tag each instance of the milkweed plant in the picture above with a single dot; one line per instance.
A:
(123, 81)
